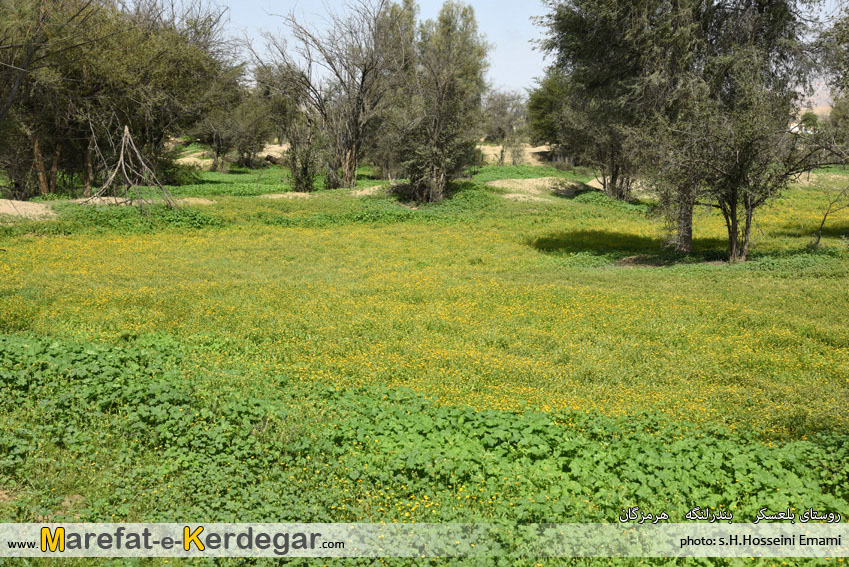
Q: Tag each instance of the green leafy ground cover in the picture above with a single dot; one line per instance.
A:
(341, 358)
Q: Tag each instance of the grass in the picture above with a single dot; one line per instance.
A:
(584, 361)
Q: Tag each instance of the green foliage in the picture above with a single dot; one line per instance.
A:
(177, 174)
(147, 67)
(545, 103)
(125, 416)
(75, 219)
(445, 99)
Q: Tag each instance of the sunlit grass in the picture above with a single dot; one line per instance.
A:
(478, 301)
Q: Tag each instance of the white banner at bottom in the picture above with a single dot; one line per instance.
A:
(423, 540)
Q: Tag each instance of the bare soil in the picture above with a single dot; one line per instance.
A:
(533, 155)
(25, 209)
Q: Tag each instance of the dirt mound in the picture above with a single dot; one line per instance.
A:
(532, 155)
(290, 195)
(112, 201)
(25, 209)
(197, 159)
(276, 150)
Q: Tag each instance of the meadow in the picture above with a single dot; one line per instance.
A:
(358, 358)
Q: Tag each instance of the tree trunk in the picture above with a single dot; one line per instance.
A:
(747, 232)
(349, 167)
(54, 168)
(41, 172)
(88, 173)
(613, 180)
(684, 236)
(733, 238)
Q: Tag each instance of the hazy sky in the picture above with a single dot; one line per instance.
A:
(514, 63)
(507, 25)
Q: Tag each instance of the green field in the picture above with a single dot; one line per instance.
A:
(344, 358)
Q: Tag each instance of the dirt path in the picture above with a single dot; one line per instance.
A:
(197, 159)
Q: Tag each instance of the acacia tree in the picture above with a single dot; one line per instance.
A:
(145, 66)
(729, 138)
(339, 74)
(445, 91)
(597, 60)
(506, 119)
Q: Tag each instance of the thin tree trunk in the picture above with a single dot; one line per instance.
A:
(349, 167)
(733, 239)
(41, 172)
(684, 237)
(88, 173)
(54, 168)
(747, 234)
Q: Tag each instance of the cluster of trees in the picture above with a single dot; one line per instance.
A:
(377, 82)
(698, 100)
(76, 72)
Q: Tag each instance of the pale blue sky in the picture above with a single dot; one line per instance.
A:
(514, 64)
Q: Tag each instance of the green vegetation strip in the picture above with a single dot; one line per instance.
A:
(101, 432)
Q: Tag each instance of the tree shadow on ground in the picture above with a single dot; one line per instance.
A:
(629, 249)
(830, 230)
(406, 192)
(568, 189)
(369, 176)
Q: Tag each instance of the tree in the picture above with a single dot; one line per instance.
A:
(748, 71)
(339, 74)
(599, 60)
(697, 97)
(545, 104)
(387, 132)
(145, 66)
(506, 119)
(31, 32)
(445, 91)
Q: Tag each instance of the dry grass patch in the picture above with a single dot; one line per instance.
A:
(524, 197)
(540, 186)
(195, 201)
(197, 159)
(368, 191)
(290, 195)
